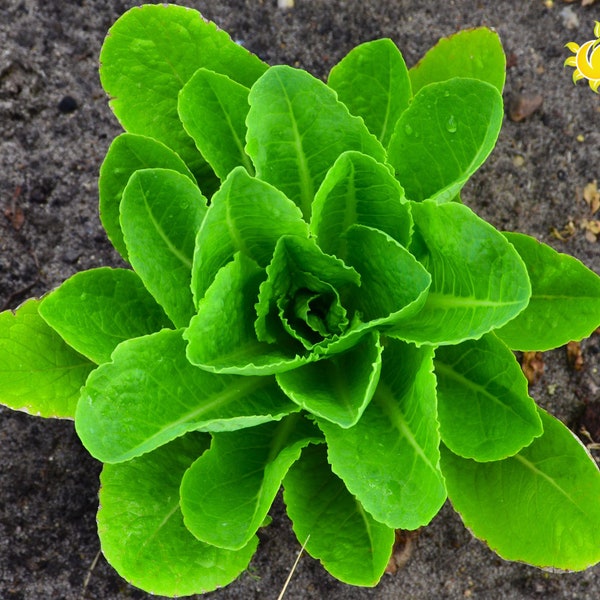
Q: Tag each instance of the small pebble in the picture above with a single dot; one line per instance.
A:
(68, 105)
(569, 18)
(523, 106)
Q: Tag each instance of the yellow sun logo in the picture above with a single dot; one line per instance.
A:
(586, 60)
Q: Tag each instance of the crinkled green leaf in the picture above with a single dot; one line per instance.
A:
(39, 373)
(393, 283)
(150, 394)
(213, 109)
(161, 213)
(565, 299)
(338, 388)
(474, 53)
(149, 55)
(94, 311)
(296, 130)
(129, 153)
(222, 337)
(390, 459)
(227, 493)
(444, 136)
(337, 530)
(142, 532)
(246, 215)
(358, 190)
(484, 409)
(479, 281)
(539, 506)
(372, 81)
(304, 294)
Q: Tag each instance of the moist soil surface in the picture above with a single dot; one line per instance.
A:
(55, 127)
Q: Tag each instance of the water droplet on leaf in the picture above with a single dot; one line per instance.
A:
(451, 124)
(408, 129)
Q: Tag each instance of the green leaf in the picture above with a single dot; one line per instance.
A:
(213, 110)
(540, 506)
(303, 297)
(444, 136)
(246, 215)
(390, 459)
(227, 493)
(94, 311)
(393, 283)
(358, 190)
(474, 53)
(338, 388)
(150, 394)
(479, 281)
(127, 154)
(350, 544)
(222, 336)
(161, 213)
(39, 373)
(142, 532)
(149, 55)
(565, 299)
(372, 81)
(296, 130)
(484, 408)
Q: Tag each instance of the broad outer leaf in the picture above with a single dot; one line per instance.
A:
(540, 506)
(227, 493)
(296, 130)
(484, 409)
(161, 213)
(222, 337)
(474, 53)
(444, 136)
(150, 394)
(565, 299)
(358, 190)
(390, 459)
(479, 281)
(149, 55)
(127, 154)
(337, 530)
(39, 373)
(94, 311)
(372, 81)
(338, 388)
(141, 527)
(246, 215)
(213, 109)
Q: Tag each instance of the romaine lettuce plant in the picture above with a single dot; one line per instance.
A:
(311, 306)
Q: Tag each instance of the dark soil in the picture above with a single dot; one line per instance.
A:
(55, 127)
